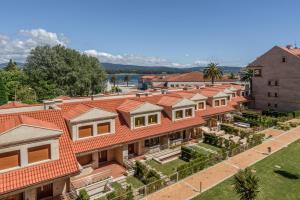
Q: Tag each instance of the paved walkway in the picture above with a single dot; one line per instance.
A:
(190, 186)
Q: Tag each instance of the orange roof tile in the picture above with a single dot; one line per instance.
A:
(13, 104)
(168, 100)
(22, 119)
(129, 105)
(76, 111)
(35, 174)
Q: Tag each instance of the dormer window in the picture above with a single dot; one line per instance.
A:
(152, 119)
(223, 102)
(85, 131)
(179, 114)
(139, 121)
(201, 105)
(10, 160)
(39, 153)
(217, 102)
(103, 128)
(188, 112)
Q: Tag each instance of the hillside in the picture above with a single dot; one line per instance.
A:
(119, 68)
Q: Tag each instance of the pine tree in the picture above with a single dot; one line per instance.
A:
(11, 66)
(3, 93)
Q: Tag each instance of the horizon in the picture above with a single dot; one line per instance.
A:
(170, 33)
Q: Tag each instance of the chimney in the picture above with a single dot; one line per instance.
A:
(289, 46)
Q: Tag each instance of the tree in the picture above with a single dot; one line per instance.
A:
(3, 93)
(247, 76)
(246, 184)
(231, 75)
(113, 79)
(126, 79)
(213, 72)
(11, 66)
(57, 70)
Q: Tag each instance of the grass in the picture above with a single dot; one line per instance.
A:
(167, 168)
(200, 150)
(275, 183)
(136, 183)
(211, 147)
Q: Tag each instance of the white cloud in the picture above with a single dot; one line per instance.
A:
(131, 59)
(18, 48)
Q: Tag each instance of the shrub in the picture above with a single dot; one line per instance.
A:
(83, 195)
(111, 195)
(229, 129)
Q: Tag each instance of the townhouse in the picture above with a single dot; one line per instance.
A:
(48, 150)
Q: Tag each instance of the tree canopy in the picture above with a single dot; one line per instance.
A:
(57, 70)
(3, 93)
(213, 72)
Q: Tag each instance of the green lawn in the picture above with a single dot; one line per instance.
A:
(208, 146)
(167, 168)
(136, 183)
(276, 183)
(200, 150)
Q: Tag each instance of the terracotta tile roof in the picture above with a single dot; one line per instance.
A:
(189, 77)
(18, 120)
(13, 104)
(35, 174)
(168, 100)
(76, 111)
(128, 105)
(294, 51)
(125, 135)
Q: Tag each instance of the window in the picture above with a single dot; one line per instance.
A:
(275, 94)
(39, 153)
(217, 103)
(85, 131)
(275, 105)
(179, 114)
(85, 160)
(172, 85)
(139, 121)
(188, 112)
(201, 105)
(283, 59)
(269, 83)
(269, 104)
(223, 102)
(152, 119)
(103, 128)
(276, 83)
(9, 160)
(257, 72)
(152, 142)
(233, 94)
(175, 136)
(269, 94)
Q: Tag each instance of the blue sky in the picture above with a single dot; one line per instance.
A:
(153, 32)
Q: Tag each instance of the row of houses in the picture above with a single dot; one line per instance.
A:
(47, 150)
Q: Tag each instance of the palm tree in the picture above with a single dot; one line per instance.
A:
(231, 75)
(247, 76)
(126, 79)
(213, 72)
(113, 79)
(246, 184)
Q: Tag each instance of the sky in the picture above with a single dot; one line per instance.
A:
(152, 33)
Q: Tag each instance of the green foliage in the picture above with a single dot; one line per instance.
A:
(282, 126)
(144, 174)
(188, 153)
(83, 195)
(229, 129)
(213, 72)
(231, 76)
(255, 139)
(246, 184)
(113, 79)
(57, 70)
(116, 89)
(11, 66)
(3, 92)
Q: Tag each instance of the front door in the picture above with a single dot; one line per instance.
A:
(131, 149)
(103, 156)
(44, 192)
